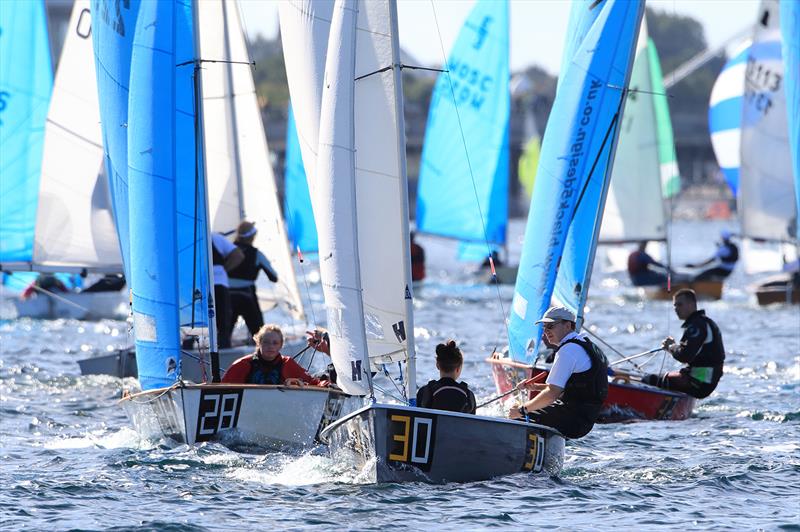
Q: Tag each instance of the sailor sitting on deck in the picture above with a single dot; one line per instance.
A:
(700, 347)
(267, 365)
(571, 398)
(722, 263)
(447, 393)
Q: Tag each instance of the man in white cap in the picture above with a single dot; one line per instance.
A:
(722, 262)
(573, 394)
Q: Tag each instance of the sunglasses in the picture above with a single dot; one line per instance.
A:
(549, 326)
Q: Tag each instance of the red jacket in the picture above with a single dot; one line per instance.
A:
(240, 370)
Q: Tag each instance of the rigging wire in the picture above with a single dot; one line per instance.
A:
(495, 281)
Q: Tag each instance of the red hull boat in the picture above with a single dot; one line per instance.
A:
(626, 400)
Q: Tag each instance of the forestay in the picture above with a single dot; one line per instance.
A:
(572, 178)
(790, 30)
(241, 183)
(26, 82)
(463, 183)
(635, 207)
(361, 203)
(767, 207)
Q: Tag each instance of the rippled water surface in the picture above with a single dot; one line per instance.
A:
(71, 460)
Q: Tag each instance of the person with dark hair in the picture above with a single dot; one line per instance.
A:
(242, 279)
(417, 260)
(640, 271)
(721, 263)
(700, 348)
(572, 396)
(447, 393)
(267, 365)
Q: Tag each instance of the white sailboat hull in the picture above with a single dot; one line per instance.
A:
(274, 417)
(394, 443)
(79, 306)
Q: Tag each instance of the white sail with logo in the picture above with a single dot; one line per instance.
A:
(241, 184)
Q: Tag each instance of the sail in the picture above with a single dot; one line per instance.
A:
(362, 209)
(790, 29)
(572, 178)
(26, 81)
(767, 207)
(297, 202)
(635, 206)
(241, 183)
(112, 39)
(305, 26)
(670, 175)
(168, 246)
(725, 116)
(529, 159)
(74, 224)
(462, 190)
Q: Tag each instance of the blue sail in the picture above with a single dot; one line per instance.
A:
(113, 26)
(790, 30)
(297, 202)
(464, 181)
(573, 173)
(166, 191)
(26, 82)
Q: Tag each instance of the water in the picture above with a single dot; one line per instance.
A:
(70, 460)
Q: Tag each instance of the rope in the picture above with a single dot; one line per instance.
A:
(178, 384)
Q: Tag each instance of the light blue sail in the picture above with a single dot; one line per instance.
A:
(166, 191)
(297, 201)
(26, 82)
(573, 173)
(113, 26)
(463, 183)
(790, 31)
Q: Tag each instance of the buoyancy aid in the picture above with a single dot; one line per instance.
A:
(248, 268)
(733, 254)
(590, 386)
(447, 394)
(262, 372)
(216, 256)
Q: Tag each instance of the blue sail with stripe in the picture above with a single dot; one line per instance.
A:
(169, 231)
(301, 228)
(26, 83)
(725, 116)
(463, 183)
(572, 177)
(112, 37)
(790, 31)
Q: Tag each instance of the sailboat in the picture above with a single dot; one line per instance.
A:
(57, 215)
(767, 202)
(561, 237)
(152, 74)
(462, 192)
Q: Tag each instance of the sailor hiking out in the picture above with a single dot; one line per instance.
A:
(573, 394)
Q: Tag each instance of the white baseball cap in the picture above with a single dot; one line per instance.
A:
(557, 314)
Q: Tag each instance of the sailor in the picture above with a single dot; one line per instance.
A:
(571, 398)
(447, 393)
(722, 262)
(46, 282)
(640, 271)
(700, 348)
(226, 257)
(267, 365)
(113, 282)
(417, 260)
(242, 279)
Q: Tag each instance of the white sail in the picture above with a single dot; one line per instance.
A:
(74, 222)
(766, 200)
(241, 184)
(361, 205)
(305, 27)
(634, 206)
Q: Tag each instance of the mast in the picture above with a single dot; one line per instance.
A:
(587, 277)
(411, 361)
(200, 159)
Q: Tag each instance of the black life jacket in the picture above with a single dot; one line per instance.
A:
(247, 269)
(733, 255)
(710, 354)
(590, 386)
(265, 373)
(216, 256)
(447, 394)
